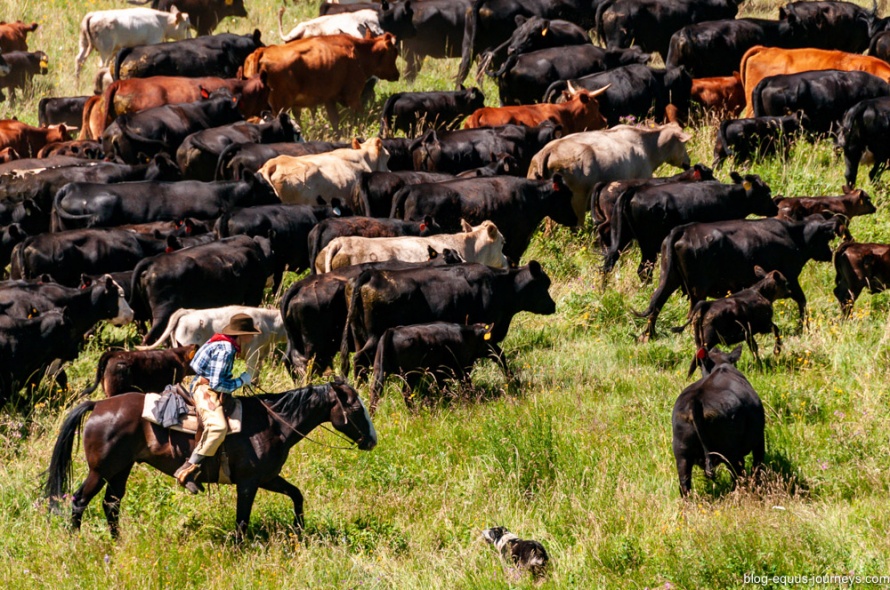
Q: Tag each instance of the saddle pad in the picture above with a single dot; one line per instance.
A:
(190, 423)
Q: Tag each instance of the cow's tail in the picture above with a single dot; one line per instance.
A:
(398, 203)
(384, 351)
(722, 149)
(172, 324)
(689, 317)
(100, 371)
(386, 117)
(315, 247)
(667, 271)
(698, 423)
(138, 303)
(85, 43)
(59, 473)
(330, 251)
(118, 62)
(222, 225)
(471, 23)
(598, 21)
(108, 104)
(17, 264)
(61, 220)
(743, 74)
(225, 158)
(619, 228)
(353, 314)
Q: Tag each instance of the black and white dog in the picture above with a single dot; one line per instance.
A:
(522, 553)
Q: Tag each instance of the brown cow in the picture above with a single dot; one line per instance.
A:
(137, 94)
(323, 70)
(8, 155)
(580, 113)
(854, 202)
(760, 62)
(722, 95)
(86, 148)
(13, 36)
(859, 266)
(27, 140)
(121, 371)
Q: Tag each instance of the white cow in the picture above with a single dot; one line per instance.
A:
(108, 31)
(483, 244)
(196, 326)
(302, 180)
(620, 153)
(348, 23)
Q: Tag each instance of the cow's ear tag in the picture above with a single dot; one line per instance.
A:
(229, 2)
(422, 227)
(487, 336)
(701, 354)
(747, 185)
(192, 354)
(337, 211)
(544, 32)
(696, 175)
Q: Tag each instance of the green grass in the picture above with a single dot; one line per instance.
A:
(575, 454)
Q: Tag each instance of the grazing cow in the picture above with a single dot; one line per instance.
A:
(691, 252)
(635, 91)
(27, 140)
(199, 153)
(121, 371)
(66, 255)
(204, 15)
(79, 148)
(447, 351)
(760, 62)
(232, 271)
(604, 195)
(651, 23)
(415, 112)
(866, 127)
(456, 151)
(532, 34)
(739, 317)
(465, 293)
(648, 214)
(580, 113)
(482, 244)
(718, 419)
(852, 203)
(163, 129)
(344, 62)
(302, 180)
(23, 66)
(829, 25)
(620, 153)
(14, 36)
(860, 266)
(197, 326)
(108, 31)
(529, 75)
(724, 96)
(823, 96)
(746, 139)
(239, 158)
(516, 205)
(218, 55)
(356, 23)
(82, 205)
(26, 346)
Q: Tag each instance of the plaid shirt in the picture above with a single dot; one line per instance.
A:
(214, 362)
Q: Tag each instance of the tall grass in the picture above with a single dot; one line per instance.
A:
(575, 453)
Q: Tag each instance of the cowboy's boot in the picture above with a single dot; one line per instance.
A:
(185, 476)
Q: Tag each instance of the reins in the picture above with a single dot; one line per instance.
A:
(252, 389)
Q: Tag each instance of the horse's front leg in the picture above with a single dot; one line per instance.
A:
(282, 486)
(246, 494)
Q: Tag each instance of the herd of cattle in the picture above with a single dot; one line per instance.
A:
(183, 196)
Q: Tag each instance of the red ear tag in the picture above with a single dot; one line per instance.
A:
(702, 353)
(696, 175)
(168, 250)
(422, 227)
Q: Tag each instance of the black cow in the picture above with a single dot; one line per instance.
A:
(439, 30)
(23, 217)
(239, 158)
(61, 111)
(860, 266)
(604, 195)
(715, 48)
(464, 149)
(635, 90)
(414, 112)
(464, 293)
(163, 129)
(530, 75)
(440, 349)
(27, 346)
(829, 25)
(879, 46)
(65, 255)
(217, 55)
(515, 205)
(718, 419)
(233, 271)
(82, 205)
(739, 317)
(123, 279)
(532, 34)
(24, 65)
(10, 236)
(204, 15)
(650, 23)
(648, 214)
(287, 226)
(753, 138)
(400, 151)
(691, 252)
(199, 153)
(823, 96)
(866, 126)
(121, 371)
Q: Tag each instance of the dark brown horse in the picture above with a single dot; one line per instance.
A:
(115, 437)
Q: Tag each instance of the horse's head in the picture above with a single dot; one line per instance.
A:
(350, 416)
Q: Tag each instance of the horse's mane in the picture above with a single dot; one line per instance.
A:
(292, 402)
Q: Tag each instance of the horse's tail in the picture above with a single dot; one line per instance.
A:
(100, 370)
(59, 473)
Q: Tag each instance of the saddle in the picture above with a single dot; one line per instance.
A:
(189, 421)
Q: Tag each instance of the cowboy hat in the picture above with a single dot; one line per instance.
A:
(240, 324)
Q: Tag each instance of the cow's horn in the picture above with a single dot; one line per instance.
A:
(571, 88)
(599, 91)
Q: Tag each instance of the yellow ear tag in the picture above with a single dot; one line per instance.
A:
(747, 185)
(487, 336)
(192, 354)
(544, 32)
(229, 2)
(44, 63)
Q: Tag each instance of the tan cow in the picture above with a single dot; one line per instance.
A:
(580, 113)
(483, 244)
(302, 180)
